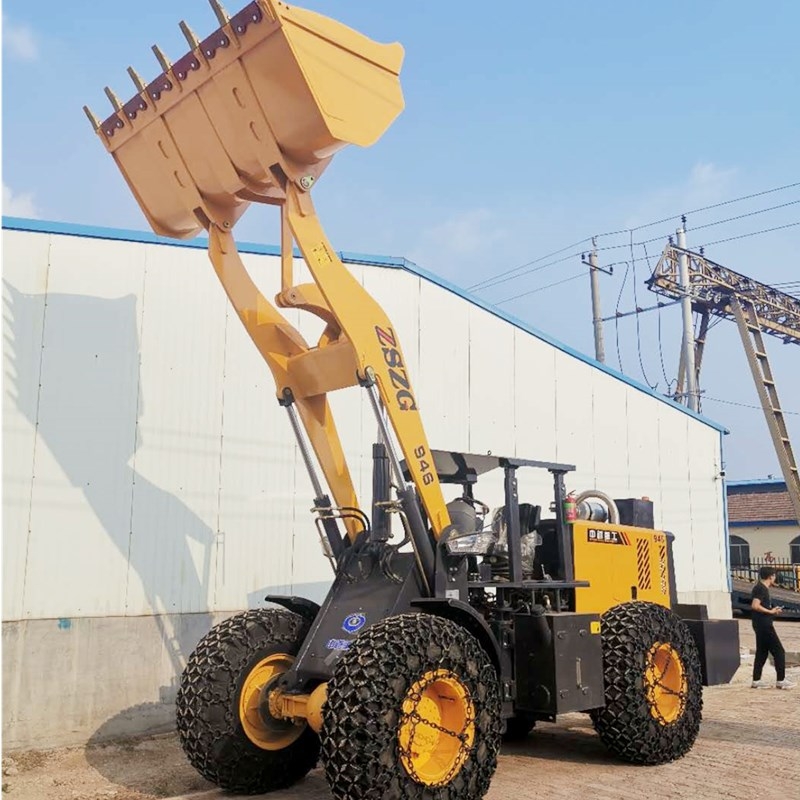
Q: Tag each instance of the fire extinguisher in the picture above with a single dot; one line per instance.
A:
(570, 508)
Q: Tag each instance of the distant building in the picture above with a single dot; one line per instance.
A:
(762, 524)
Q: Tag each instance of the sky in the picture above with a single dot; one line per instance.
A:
(529, 126)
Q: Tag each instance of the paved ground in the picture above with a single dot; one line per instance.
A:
(746, 736)
(788, 631)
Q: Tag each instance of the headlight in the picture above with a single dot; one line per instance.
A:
(474, 544)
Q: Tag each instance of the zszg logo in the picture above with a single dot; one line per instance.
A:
(354, 623)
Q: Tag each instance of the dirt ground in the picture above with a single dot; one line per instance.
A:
(745, 735)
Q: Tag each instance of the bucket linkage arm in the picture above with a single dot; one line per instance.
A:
(279, 343)
(358, 345)
(375, 347)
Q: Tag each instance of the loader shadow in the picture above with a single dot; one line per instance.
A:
(79, 386)
(573, 740)
(156, 766)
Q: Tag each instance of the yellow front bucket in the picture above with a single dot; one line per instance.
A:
(270, 96)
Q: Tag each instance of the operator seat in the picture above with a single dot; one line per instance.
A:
(529, 519)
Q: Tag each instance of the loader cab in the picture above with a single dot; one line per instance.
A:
(513, 545)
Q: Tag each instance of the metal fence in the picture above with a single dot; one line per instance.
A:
(788, 575)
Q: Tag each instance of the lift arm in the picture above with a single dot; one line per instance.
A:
(254, 113)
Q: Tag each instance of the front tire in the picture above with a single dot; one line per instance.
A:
(654, 692)
(413, 712)
(222, 733)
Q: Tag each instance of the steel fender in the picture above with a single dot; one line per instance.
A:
(465, 615)
(307, 609)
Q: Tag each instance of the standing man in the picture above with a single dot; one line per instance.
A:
(767, 640)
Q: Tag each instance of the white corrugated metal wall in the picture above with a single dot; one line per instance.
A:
(148, 469)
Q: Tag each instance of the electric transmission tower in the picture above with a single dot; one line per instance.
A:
(758, 310)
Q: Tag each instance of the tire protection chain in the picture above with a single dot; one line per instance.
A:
(414, 716)
(658, 682)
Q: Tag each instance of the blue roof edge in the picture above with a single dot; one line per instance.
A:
(394, 262)
(198, 243)
(758, 482)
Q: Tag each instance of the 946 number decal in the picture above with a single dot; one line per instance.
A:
(421, 454)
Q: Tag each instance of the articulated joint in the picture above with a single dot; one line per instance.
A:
(297, 707)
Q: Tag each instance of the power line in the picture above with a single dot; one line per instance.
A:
(491, 283)
(700, 210)
(616, 320)
(752, 233)
(709, 208)
(626, 245)
(667, 381)
(492, 280)
(705, 244)
(540, 289)
(742, 216)
(638, 326)
(631, 245)
(528, 264)
(745, 405)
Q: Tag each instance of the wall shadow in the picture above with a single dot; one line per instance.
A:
(86, 411)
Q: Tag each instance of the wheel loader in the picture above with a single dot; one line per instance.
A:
(449, 626)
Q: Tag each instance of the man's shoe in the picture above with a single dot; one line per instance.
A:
(785, 684)
(759, 685)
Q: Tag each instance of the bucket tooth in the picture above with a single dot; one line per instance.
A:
(192, 40)
(91, 117)
(137, 80)
(113, 99)
(221, 13)
(165, 63)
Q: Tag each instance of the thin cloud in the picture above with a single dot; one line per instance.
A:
(705, 184)
(19, 205)
(453, 244)
(709, 182)
(19, 41)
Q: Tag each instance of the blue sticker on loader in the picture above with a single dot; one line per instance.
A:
(354, 623)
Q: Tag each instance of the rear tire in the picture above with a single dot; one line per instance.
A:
(654, 692)
(232, 657)
(398, 677)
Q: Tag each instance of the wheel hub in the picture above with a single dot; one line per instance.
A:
(665, 683)
(437, 728)
(260, 727)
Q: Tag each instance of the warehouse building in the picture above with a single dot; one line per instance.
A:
(152, 484)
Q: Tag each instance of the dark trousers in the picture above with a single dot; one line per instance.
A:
(767, 642)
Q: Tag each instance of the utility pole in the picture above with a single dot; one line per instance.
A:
(687, 350)
(597, 320)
